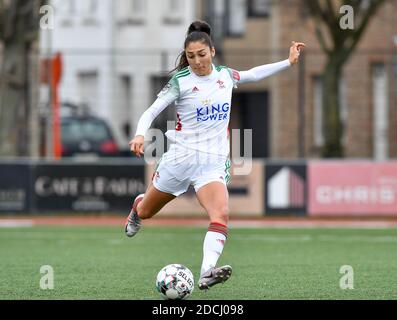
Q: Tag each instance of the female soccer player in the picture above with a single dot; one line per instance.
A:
(199, 150)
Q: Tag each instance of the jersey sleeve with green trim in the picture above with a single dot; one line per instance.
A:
(171, 91)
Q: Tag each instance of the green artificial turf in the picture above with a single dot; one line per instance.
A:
(102, 263)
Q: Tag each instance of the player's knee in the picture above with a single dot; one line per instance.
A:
(220, 215)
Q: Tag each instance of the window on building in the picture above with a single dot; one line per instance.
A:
(124, 104)
(138, 8)
(89, 7)
(236, 17)
(259, 8)
(318, 111)
(65, 7)
(343, 108)
(88, 11)
(250, 111)
(71, 6)
(174, 11)
(380, 107)
(214, 11)
(66, 10)
(136, 11)
(88, 89)
(131, 12)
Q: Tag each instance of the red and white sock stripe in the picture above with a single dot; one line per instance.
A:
(218, 227)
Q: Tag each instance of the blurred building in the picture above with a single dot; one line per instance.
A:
(117, 55)
(285, 110)
(115, 52)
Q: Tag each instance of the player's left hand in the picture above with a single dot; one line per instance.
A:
(294, 51)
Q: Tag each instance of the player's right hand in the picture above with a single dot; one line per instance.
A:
(136, 145)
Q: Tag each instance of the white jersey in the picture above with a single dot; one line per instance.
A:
(203, 106)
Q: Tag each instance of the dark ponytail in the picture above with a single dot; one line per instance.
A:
(197, 31)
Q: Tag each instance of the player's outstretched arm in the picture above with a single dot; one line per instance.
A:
(264, 71)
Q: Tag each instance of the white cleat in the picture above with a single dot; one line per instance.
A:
(133, 222)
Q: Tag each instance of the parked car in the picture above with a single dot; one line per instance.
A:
(87, 134)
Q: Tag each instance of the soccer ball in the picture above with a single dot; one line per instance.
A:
(175, 282)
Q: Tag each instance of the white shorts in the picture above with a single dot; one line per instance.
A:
(179, 168)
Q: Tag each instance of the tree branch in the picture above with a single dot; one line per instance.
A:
(321, 40)
(331, 12)
(318, 15)
(333, 25)
(355, 36)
